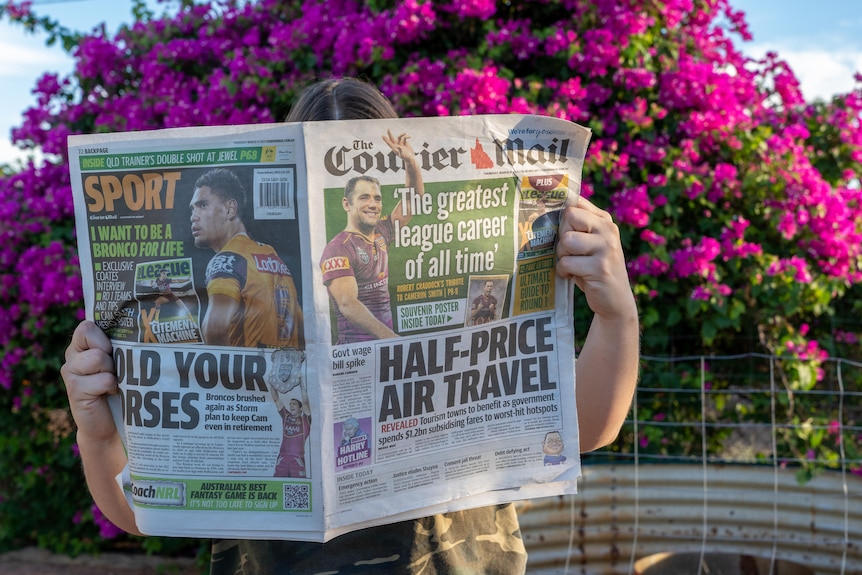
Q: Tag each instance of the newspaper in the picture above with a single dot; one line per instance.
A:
(254, 401)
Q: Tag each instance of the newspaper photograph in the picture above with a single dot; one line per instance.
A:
(325, 326)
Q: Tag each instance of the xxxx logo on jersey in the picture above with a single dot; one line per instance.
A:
(335, 264)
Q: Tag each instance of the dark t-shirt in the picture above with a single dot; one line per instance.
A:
(482, 541)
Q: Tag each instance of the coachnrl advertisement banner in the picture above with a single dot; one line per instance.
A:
(325, 326)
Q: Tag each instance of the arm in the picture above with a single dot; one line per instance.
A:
(590, 252)
(345, 292)
(218, 319)
(306, 408)
(298, 324)
(401, 146)
(475, 309)
(89, 377)
(275, 397)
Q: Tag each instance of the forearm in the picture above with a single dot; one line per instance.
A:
(103, 460)
(414, 176)
(607, 372)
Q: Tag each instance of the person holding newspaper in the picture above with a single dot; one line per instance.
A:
(355, 263)
(485, 540)
(252, 298)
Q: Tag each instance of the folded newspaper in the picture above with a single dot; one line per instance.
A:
(326, 326)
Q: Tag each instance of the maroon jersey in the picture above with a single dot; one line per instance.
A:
(484, 309)
(291, 455)
(367, 260)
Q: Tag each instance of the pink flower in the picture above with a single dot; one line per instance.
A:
(18, 11)
(647, 265)
(842, 336)
(413, 21)
(653, 238)
(797, 265)
(481, 9)
(632, 206)
(107, 530)
(701, 293)
(696, 260)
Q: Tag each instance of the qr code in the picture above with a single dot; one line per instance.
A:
(297, 497)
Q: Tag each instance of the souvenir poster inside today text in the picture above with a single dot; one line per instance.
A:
(325, 326)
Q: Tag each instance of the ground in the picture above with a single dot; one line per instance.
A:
(33, 561)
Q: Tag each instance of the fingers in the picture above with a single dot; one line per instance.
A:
(584, 217)
(89, 367)
(88, 336)
(399, 144)
(390, 140)
(587, 205)
(90, 374)
(589, 251)
(89, 377)
(586, 230)
(583, 244)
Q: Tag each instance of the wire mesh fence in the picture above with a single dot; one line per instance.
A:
(751, 458)
(749, 408)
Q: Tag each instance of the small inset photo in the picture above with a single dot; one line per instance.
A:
(553, 448)
(353, 447)
(487, 295)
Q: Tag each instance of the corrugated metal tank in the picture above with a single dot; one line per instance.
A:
(624, 513)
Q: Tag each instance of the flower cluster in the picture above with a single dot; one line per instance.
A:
(739, 204)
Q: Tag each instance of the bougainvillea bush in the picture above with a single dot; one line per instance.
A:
(739, 203)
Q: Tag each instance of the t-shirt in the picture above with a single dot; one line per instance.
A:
(481, 541)
(367, 260)
(252, 274)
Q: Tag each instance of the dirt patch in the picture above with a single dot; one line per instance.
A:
(34, 561)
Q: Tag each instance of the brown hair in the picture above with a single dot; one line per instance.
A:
(351, 185)
(340, 99)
